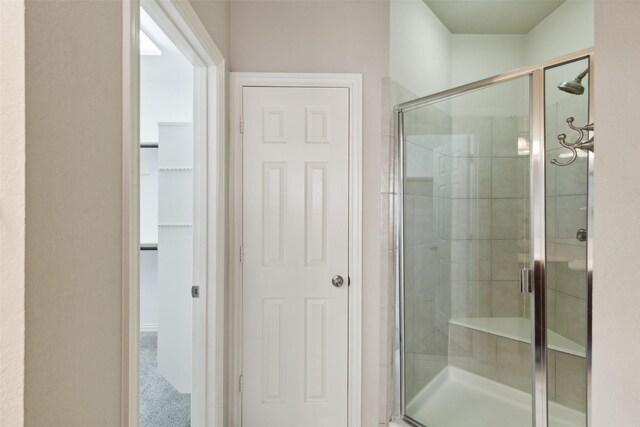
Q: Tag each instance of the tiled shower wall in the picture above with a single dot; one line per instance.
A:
(387, 389)
(502, 359)
(427, 246)
(490, 231)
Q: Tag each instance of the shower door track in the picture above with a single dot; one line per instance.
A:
(537, 188)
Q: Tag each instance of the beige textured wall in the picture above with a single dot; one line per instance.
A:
(73, 235)
(12, 212)
(73, 243)
(214, 15)
(616, 317)
(73, 196)
(333, 37)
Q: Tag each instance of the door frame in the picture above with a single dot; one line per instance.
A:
(181, 24)
(353, 82)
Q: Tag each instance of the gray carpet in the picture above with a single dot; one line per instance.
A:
(160, 404)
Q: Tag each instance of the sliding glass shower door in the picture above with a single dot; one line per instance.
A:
(494, 272)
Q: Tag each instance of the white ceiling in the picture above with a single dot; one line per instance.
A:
(492, 16)
(171, 65)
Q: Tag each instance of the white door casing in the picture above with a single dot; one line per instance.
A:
(296, 239)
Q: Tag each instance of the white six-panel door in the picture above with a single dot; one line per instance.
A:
(295, 239)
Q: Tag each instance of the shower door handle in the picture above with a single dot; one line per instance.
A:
(525, 281)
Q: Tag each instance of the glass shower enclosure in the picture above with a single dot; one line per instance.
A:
(494, 263)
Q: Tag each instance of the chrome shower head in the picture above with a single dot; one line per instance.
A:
(574, 86)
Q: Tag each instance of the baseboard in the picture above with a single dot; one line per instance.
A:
(148, 327)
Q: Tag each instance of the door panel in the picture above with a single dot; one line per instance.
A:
(466, 228)
(295, 237)
(175, 255)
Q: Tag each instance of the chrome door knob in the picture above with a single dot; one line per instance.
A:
(337, 281)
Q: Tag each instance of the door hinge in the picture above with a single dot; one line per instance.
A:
(241, 254)
(241, 124)
(195, 291)
(348, 281)
(241, 383)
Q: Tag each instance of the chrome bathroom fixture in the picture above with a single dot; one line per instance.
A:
(582, 235)
(574, 87)
(580, 143)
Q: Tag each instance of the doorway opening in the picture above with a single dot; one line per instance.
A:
(173, 216)
(166, 229)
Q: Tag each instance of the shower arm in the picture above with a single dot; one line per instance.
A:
(583, 74)
(580, 143)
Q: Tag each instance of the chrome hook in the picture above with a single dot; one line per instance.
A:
(580, 143)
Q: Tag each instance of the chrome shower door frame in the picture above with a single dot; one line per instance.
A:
(537, 233)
